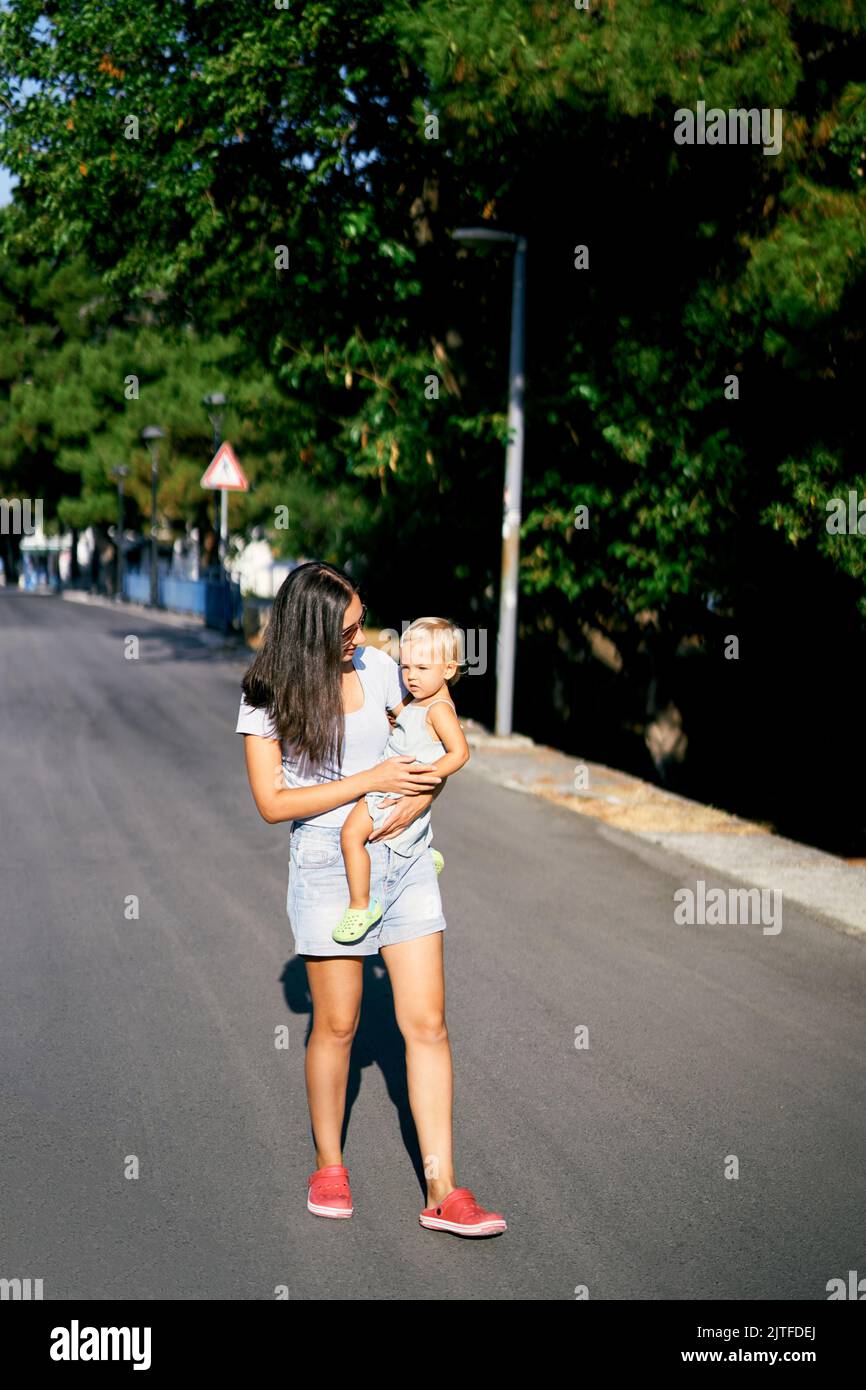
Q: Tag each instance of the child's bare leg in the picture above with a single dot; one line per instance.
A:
(353, 842)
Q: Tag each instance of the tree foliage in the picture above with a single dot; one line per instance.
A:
(287, 179)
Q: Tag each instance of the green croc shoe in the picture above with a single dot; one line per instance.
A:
(438, 860)
(356, 922)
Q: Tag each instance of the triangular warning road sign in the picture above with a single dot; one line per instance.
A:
(224, 471)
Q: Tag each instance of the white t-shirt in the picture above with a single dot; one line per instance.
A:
(366, 730)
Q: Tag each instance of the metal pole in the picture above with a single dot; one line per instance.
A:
(224, 526)
(120, 537)
(217, 525)
(224, 550)
(506, 641)
(154, 587)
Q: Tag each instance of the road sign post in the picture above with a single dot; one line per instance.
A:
(225, 474)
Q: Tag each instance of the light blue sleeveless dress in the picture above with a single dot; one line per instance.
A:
(410, 734)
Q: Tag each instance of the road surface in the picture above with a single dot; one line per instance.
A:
(150, 1040)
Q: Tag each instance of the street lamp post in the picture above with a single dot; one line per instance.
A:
(215, 404)
(120, 471)
(506, 640)
(151, 437)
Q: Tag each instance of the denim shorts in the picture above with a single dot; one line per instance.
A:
(407, 889)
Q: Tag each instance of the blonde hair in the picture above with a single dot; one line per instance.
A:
(447, 642)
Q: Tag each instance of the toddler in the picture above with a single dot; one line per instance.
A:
(428, 728)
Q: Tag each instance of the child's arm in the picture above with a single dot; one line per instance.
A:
(449, 732)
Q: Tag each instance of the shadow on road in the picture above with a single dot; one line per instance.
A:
(166, 644)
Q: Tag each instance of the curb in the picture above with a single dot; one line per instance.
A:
(702, 835)
(209, 637)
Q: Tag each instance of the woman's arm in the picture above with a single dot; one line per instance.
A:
(405, 809)
(275, 802)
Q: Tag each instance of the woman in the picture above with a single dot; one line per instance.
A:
(313, 713)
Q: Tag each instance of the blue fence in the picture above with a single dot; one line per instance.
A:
(220, 604)
(136, 587)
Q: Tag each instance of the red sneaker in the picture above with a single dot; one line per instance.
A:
(460, 1213)
(328, 1191)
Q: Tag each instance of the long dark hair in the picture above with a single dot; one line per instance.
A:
(296, 673)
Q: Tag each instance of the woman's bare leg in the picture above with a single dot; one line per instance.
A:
(336, 985)
(417, 974)
(353, 842)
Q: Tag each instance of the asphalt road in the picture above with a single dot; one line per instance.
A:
(154, 1037)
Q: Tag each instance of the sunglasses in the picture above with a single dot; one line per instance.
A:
(350, 631)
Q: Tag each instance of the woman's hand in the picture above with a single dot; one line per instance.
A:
(399, 777)
(405, 810)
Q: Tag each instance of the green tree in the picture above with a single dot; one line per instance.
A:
(293, 178)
